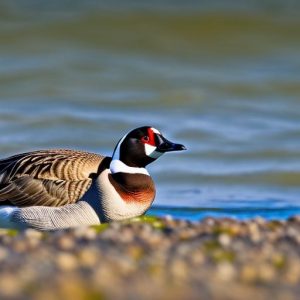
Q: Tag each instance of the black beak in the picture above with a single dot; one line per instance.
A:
(166, 146)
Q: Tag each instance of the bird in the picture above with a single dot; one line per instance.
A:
(59, 188)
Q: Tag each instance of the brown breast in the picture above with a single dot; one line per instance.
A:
(133, 187)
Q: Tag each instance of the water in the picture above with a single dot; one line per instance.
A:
(223, 78)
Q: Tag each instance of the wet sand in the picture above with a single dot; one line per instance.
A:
(151, 258)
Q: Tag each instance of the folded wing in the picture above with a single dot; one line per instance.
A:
(47, 177)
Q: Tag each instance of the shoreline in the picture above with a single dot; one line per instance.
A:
(154, 258)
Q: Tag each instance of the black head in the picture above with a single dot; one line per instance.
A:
(142, 146)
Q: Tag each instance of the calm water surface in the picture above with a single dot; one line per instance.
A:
(221, 78)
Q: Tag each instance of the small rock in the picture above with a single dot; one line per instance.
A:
(66, 242)
(84, 232)
(66, 261)
(33, 234)
(89, 257)
(224, 239)
(225, 271)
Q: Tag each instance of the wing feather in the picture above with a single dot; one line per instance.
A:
(47, 177)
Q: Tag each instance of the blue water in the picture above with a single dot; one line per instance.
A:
(195, 214)
(221, 77)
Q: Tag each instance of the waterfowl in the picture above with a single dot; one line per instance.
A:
(53, 189)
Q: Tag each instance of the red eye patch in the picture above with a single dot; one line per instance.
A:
(149, 139)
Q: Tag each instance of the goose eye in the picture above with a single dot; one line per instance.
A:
(145, 138)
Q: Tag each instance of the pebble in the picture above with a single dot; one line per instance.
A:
(66, 262)
(224, 239)
(86, 233)
(89, 257)
(226, 271)
(33, 234)
(66, 242)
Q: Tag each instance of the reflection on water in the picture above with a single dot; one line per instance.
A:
(221, 79)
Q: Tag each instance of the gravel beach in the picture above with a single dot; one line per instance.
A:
(154, 258)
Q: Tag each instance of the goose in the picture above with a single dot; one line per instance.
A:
(59, 188)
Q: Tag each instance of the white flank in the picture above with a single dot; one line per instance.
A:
(117, 166)
(151, 151)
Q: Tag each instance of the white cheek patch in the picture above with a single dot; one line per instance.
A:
(151, 151)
